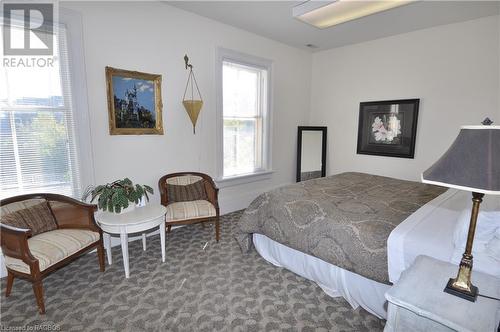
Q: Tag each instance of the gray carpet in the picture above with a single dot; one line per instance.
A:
(198, 288)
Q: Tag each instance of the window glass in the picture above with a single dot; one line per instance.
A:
(37, 130)
(244, 102)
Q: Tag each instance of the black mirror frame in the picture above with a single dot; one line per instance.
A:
(299, 148)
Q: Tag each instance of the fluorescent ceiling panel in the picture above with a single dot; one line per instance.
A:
(324, 14)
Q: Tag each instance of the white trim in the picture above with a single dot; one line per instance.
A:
(480, 127)
(245, 178)
(234, 201)
(448, 185)
(223, 54)
(76, 57)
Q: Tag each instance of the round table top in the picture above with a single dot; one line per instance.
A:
(139, 215)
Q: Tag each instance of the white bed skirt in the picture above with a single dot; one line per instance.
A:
(335, 281)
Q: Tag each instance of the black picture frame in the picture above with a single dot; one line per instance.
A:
(300, 129)
(388, 128)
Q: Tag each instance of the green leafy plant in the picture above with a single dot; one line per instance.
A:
(117, 195)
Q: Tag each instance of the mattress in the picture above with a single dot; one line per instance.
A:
(344, 219)
(428, 231)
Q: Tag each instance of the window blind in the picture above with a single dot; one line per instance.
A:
(38, 151)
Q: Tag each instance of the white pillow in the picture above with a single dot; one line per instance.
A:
(488, 222)
(485, 260)
(481, 262)
(493, 247)
(486, 239)
(490, 203)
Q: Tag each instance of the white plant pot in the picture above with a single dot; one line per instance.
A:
(142, 202)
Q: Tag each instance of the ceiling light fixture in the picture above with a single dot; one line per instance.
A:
(324, 14)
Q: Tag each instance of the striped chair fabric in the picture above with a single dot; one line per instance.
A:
(183, 180)
(190, 210)
(12, 207)
(52, 247)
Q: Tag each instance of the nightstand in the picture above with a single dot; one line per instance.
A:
(417, 301)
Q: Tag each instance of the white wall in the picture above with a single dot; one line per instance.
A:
(453, 69)
(153, 37)
(498, 108)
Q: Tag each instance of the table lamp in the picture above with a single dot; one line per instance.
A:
(472, 163)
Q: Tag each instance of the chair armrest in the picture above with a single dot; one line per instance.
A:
(70, 213)
(212, 194)
(162, 186)
(14, 243)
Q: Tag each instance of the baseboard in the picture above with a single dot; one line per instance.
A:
(241, 201)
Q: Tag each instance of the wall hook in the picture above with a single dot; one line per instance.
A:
(186, 61)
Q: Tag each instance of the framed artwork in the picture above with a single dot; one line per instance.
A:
(134, 102)
(388, 128)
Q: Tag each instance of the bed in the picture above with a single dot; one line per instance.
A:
(409, 219)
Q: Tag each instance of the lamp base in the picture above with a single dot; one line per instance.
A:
(464, 294)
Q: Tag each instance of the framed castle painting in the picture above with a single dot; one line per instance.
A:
(134, 102)
(388, 128)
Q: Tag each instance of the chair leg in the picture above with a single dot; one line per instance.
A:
(10, 282)
(169, 227)
(217, 229)
(100, 256)
(38, 290)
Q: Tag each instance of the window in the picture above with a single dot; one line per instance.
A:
(38, 148)
(245, 116)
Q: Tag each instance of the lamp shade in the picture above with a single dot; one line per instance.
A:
(472, 162)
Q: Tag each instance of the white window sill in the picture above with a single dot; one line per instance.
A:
(246, 178)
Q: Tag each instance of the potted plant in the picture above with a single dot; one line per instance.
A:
(118, 196)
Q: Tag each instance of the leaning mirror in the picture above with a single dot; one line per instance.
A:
(311, 153)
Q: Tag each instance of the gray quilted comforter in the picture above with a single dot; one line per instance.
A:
(343, 219)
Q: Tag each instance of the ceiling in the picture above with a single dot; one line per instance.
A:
(273, 19)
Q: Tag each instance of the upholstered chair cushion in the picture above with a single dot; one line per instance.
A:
(183, 180)
(37, 217)
(19, 205)
(190, 210)
(185, 193)
(52, 247)
(15, 220)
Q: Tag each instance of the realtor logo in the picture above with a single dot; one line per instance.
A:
(28, 28)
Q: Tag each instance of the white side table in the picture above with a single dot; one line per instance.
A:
(417, 301)
(138, 220)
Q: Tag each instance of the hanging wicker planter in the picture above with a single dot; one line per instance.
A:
(192, 105)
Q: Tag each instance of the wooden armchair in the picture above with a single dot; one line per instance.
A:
(34, 257)
(190, 211)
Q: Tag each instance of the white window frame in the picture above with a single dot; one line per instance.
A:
(72, 20)
(266, 171)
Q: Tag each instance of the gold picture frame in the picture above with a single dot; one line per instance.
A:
(134, 102)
